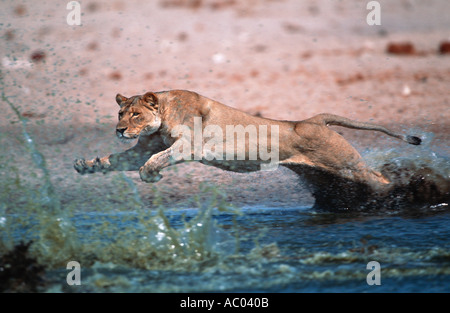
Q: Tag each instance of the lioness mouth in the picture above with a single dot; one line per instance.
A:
(126, 136)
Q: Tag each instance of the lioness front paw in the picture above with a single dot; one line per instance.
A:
(149, 176)
(82, 166)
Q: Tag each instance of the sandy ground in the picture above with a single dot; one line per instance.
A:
(282, 59)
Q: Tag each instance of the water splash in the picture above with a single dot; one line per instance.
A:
(139, 237)
(48, 197)
(55, 232)
(419, 178)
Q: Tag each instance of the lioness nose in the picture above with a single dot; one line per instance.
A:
(121, 130)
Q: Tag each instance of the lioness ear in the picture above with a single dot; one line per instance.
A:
(150, 98)
(120, 99)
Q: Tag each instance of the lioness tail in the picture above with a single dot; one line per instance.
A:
(331, 119)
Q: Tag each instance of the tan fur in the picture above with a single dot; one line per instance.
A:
(308, 147)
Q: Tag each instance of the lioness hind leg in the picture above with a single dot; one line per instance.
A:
(322, 148)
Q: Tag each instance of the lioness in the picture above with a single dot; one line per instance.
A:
(311, 149)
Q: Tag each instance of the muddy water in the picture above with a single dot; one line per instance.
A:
(258, 250)
(216, 247)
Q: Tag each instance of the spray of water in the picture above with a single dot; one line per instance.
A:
(420, 177)
(55, 232)
(139, 237)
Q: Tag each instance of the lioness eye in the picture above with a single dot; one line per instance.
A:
(135, 114)
(120, 115)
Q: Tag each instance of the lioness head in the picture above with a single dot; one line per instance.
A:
(137, 115)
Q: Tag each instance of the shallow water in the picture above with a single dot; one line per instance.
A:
(296, 251)
(257, 250)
